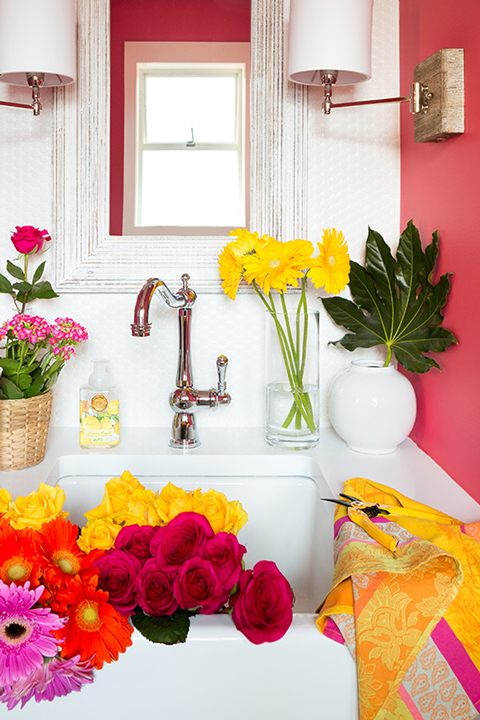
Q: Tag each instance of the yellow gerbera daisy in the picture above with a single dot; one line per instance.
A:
(231, 271)
(331, 268)
(246, 241)
(230, 260)
(277, 264)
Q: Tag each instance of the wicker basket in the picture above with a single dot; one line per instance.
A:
(23, 431)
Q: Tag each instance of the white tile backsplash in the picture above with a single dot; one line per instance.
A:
(353, 182)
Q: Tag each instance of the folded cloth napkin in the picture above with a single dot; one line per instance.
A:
(405, 600)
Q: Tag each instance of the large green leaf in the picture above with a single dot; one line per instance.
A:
(15, 271)
(8, 389)
(395, 303)
(5, 285)
(42, 290)
(39, 272)
(166, 629)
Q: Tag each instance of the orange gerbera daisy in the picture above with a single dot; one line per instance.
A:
(18, 559)
(95, 630)
(62, 559)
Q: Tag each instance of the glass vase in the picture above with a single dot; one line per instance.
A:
(292, 379)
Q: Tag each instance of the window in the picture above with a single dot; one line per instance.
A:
(190, 143)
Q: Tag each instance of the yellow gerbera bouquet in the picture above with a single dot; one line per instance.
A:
(267, 264)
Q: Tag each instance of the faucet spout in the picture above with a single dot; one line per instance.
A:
(185, 398)
(185, 298)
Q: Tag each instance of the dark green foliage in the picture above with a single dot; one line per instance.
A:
(395, 302)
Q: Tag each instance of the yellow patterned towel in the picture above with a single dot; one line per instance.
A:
(405, 600)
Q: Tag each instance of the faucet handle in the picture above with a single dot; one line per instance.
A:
(222, 363)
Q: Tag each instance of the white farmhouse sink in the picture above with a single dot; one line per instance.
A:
(218, 673)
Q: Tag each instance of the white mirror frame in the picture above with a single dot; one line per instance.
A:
(87, 258)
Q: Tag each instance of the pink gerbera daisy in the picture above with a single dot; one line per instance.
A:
(55, 678)
(25, 632)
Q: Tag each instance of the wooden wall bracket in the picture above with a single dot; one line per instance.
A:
(443, 74)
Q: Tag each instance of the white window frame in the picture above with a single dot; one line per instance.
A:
(148, 58)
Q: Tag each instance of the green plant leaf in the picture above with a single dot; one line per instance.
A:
(10, 367)
(39, 272)
(15, 271)
(5, 285)
(36, 387)
(42, 290)
(22, 287)
(167, 629)
(9, 390)
(395, 303)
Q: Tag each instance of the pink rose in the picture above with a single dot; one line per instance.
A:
(155, 589)
(135, 539)
(262, 608)
(184, 537)
(197, 586)
(118, 573)
(28, 239)
(225, 553)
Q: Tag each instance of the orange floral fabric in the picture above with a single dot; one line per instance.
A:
(406, 615)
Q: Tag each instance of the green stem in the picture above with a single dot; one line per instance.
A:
(389, 356)
(25, 273)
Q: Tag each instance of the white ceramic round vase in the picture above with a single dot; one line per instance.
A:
(372, 407)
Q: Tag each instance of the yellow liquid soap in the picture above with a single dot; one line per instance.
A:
(99, 409)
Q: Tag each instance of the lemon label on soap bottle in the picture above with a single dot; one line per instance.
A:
(99, 409)
(99, 421)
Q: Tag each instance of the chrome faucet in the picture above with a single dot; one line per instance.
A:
(185, 398)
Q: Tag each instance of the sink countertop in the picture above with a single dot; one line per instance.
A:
(409, 470)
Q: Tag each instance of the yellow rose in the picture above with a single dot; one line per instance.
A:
(223, 516)
(117, 493)
(172, 501)
(37, 508)
(134, 511)
(5, 501)
(100, 533)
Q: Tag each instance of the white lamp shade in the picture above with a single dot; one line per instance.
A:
(330, 35)
(38, 36)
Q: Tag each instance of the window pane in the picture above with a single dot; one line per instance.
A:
(197, 188)
(175, 105)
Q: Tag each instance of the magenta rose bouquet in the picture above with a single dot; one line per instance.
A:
(35, 350)
(164, 575)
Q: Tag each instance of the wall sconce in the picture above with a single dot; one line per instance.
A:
(330, 44)
(37, 45)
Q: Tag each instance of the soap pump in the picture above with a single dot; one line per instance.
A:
(99, 409)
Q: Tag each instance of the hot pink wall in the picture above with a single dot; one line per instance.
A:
(440, 189)
(167, 20)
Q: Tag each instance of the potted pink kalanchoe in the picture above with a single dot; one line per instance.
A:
(33, 351)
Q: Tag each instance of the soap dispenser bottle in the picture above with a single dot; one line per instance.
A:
(99, 409)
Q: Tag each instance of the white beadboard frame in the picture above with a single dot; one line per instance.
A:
(87, 258)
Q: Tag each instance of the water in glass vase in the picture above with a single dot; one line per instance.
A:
(292, 425)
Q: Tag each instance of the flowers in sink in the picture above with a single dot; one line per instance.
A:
(66, 608)
(35, 351)
(268, 264)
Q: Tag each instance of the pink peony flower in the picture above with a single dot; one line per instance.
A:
(225, 553)
(118, 573)
(25, 632)
(155, 588)
(28, 239)
(262, 607)
(184, 537)
(197, 586)
(55, 678)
